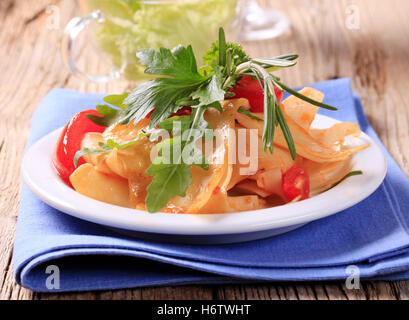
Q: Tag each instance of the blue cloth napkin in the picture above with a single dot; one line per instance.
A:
(372, 235)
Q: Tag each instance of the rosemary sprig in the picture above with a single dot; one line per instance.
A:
(273, 116)
(350, 174)
(249, 114)
(301, 96)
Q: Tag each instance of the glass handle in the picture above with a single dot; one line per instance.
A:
(72, 30)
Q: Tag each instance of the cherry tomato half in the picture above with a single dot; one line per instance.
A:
(296, 184)
(185, 111)
(251, 89)
(70, 140)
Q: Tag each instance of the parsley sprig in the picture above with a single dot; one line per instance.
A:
(178, 83)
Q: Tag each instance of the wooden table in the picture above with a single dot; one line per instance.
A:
(375, 55)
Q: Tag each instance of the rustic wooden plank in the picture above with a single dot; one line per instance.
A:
(155, 293)
(247, 292)
(379, 290)
(401, 289)
(374, 57)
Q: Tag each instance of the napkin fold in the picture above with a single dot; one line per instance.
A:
(372, 235)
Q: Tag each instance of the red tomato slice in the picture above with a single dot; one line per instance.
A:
(250, 89)
(149, 114)
(296, 184)
(185, 111)
(70, 140)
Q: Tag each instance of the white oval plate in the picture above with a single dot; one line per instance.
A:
(42, 180)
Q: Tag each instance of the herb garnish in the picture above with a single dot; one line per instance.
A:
(350, 174)
(180, 83)
(249, 114)
(111, 145)
(109, 115)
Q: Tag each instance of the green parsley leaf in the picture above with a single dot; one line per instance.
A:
(160, 95)
(211, 92)
(163, 94)
(180, 63)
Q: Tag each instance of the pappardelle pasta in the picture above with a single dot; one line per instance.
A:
(216, 116)
(119, 177)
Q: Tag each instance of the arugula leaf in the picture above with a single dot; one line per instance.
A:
(198, 127)
(171, 177)
(249, 114)
(105, 148)
(169, 124)
(171, 174)
(169, 180)
(85, 151)
(185, 123)
(108, 114)
(111, 145)
(199, 124)
(117, 100)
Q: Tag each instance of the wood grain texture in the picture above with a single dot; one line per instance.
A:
(375, 57)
